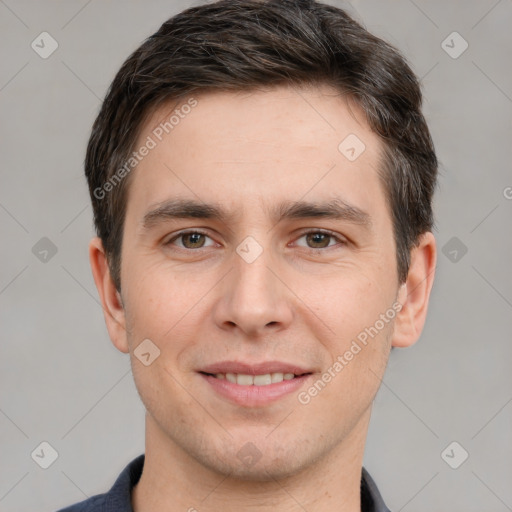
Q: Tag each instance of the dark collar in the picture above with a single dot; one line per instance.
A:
(371, 500)
(118, 499)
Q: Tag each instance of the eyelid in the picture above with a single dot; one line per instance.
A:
(340, 238)
(189, 231)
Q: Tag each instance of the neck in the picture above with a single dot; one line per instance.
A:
(173, 481)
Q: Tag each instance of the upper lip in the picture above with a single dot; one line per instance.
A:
(254, 368)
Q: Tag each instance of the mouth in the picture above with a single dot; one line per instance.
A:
(254, 389)
(265, 379)
(254, 385)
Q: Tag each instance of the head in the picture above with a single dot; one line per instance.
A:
(260, 119)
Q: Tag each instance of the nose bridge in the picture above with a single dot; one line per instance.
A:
(252, 278)
(253, 298)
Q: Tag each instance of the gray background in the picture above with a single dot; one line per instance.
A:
(63, 382)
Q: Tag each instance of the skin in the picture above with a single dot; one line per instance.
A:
(248, 152)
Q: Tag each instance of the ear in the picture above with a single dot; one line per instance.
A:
(110, 297)
(414, 294)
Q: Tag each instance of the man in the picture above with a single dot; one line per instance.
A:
(262, 178)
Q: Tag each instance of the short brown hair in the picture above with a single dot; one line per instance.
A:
(235, 45)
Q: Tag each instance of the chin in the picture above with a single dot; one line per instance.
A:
(258, 461)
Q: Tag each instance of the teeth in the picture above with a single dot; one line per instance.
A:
(256, 380)
(244, 380)
(261, 380)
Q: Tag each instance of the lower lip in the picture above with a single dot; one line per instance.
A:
(251, 396)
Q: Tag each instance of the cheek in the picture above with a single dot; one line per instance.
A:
(165, 311)
(348, 303)
(153, 303)
(166, 307)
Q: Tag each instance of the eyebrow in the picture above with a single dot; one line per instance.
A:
(336, 209)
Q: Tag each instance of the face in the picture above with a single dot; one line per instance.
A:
(254, 244)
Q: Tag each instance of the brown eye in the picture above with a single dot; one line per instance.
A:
(193, 240)
(318, 240)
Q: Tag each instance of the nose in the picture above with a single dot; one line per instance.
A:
(254, 298)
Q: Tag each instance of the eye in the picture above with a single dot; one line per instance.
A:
(190, 240)
(320, 240)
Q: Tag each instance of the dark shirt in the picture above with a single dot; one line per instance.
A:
(118, 499)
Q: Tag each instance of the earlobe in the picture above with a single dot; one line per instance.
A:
(111, 300)
(414, 294)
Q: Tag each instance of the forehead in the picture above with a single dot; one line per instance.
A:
(242, 148)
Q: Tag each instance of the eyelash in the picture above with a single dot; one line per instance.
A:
(341, 242)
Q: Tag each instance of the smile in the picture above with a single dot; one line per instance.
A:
(254, 390)
(254, 380)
